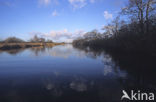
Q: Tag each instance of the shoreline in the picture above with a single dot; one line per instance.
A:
(10, 46)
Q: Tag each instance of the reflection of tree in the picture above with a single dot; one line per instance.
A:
(37, 50)
(110, 67)
(117, 73)
(13, 51)
(131, 71)
(141, 71)
(89, 53)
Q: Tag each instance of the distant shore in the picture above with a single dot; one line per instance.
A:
(9, 46)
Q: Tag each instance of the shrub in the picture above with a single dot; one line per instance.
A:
(13, 40)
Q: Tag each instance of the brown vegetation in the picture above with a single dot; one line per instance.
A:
(16, 43)
(7, 46)
(25, 45)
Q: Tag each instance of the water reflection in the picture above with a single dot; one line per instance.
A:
(37, 50)
(78, 84)
(12, 52)
(66, 74)
(135, 72)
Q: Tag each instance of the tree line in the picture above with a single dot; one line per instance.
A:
(34, 39)
(132, 31)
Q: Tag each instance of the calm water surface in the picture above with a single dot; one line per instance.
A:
(67, 74)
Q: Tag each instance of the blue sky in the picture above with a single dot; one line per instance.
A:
(59, 20)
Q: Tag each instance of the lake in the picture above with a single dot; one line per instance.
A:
(67, 74)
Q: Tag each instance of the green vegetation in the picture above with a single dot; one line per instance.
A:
(136, 35)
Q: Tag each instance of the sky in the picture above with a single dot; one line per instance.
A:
(59, 20)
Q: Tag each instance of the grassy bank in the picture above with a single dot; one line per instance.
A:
(9, 46)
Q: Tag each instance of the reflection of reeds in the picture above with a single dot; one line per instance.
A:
(13, 51)
(14, 48)
(8, 46)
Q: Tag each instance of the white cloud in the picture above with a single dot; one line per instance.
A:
(44, 2)
(61, 35)
(54, 13)
(77, 3)
(57, 34)
(108, 15)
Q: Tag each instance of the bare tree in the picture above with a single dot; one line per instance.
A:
(108, 30)
(35, 39)
(150, 7)
(94, 34)
(116, 24)
(140, 9)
